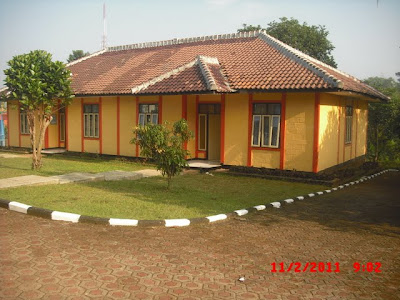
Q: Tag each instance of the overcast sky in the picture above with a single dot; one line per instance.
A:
(366, 34)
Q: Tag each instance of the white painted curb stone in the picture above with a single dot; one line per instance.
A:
(300, 198)
(63, 216)
(177, 222)
(242, 212)
(18, 207)
(276, 204)
(260, 207)
(289, 201)
(123, 222)
(217, 217)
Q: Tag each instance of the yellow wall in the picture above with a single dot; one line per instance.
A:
(172, 108)
(299, 127)
(53, 133)
(74, 123)
(109, 126)
(191, 116)
(266, 159)
(127, 118)
(362, 112)
(13, 127)
(328, 131)
(236, 129)
(299, 131)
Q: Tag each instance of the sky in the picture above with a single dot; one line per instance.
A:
(365, 33)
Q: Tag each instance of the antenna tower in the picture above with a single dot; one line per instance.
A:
(104, 40)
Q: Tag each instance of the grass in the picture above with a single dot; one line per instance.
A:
(62, 164)
(191, 195)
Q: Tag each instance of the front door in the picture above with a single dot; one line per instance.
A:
(214, 137)
(209, 134)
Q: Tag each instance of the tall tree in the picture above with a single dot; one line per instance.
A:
(310, 39)
(38, 84)
(77, 54)
(384, 121)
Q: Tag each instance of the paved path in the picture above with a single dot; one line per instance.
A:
(45, 259)
(75, 177)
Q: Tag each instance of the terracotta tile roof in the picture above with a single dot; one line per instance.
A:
(223, 64)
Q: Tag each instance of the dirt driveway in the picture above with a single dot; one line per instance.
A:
(43, 259)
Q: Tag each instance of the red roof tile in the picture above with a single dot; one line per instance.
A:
(224, 64)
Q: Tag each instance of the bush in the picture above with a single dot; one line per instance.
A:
(164, 146)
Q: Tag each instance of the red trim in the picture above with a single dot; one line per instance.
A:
(137, 123)
(366, 132)
(316, 133)
(197, 126)
(66, 128)
(201, 152)
(222, 147)
(46, 138)
(283, 132)
(58, 123)
(160, 101)
(82, 129)
(19, 125)
(101, 125)
(8, 126)
(355, 142)
(250, 121)
(338, 148)
(184, 115)
(118, 125)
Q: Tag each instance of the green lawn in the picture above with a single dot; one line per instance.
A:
(61, 164)
(191, 195)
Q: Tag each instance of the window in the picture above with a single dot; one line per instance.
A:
(24, 126)
(148, 114)
(349, 124)
(210, 109)
(91, 120)
(266, 125)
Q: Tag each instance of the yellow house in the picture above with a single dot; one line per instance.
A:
(250, 100)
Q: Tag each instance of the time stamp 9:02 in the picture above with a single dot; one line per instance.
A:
(320, 267)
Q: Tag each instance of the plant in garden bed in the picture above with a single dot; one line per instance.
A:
(164, 146)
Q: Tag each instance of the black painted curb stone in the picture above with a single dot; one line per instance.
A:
(76, 218)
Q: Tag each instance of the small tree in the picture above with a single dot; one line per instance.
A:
(38, 84)
(165, 146)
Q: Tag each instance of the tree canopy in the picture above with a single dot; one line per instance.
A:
(310, 39)
(77, 54)
(40, 85)
(384, 121)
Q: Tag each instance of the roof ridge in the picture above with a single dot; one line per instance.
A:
(85, 57)
(209, 78)
(302, 58)
(179, 41)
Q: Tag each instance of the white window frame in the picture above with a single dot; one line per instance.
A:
(144, 117)
(261, 142)
(349, 126)
(24, 125)
(91, 124)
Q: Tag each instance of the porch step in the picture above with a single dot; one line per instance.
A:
(204, 164)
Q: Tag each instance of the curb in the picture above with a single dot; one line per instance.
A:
(76, 218)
